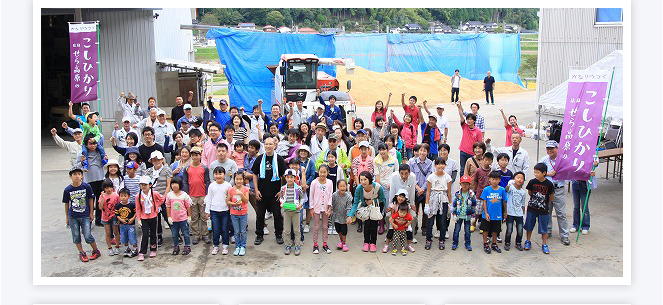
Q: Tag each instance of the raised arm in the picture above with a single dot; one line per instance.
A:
(426, 107)
(71, 112)
(388, 101)
(403, 101)
(506, 121)
(421, 116)
(460, 112)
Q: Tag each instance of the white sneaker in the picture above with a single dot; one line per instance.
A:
(232, 239)
(110, 252)
(269, 215)
(414, 240)
(265, 231)
(436, 234)
(306, 229)
(573, 230)
(585, 232)
(334, 231)
(215, 250)
(116, 251)
(329, 231)
(446, 235)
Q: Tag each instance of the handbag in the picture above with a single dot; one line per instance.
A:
(374, 212)
(363, 213)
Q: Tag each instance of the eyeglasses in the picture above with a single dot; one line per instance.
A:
(93, 143)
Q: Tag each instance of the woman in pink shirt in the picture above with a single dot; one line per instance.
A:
(320, 206)
(471, 134)
(511, 126)
(380, 110)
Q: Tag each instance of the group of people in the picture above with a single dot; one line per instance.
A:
(199, 175)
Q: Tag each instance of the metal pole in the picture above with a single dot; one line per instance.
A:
(98, 76)
(538, 134)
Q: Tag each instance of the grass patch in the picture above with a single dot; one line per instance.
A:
(223, 91)
(219, 78)
(529, 48)
(528, 64)
(206, 54)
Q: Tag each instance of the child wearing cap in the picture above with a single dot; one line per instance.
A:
(400, 221)
(131, 180)
(112, 169)
(90, 128)
(308, 167)
(160, 176)
(322, 190)
(196, 181)
(147, 209)
(400, 197)
(107, 201)
(79, 202)
(462, 209)
(125, 212)
(291, 199)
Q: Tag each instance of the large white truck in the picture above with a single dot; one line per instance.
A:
(296, 77)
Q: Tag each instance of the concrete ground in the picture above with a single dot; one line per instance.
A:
(598, 254)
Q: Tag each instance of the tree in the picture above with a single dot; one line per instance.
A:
(275, 18)
(210, 19)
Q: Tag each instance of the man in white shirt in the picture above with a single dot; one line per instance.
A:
(120, 134)
(188, 109)
(442, 121)
(297, 114)
(162, 128)
(257, 122)
(129, 107)
(455, 87)
(518, 157)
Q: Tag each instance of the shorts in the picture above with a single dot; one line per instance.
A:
(544, 219)
(493, 226)
(341, 228)
(408, 234)
(113, 222)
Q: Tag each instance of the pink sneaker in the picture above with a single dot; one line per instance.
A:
(339, 246)
(345, 248)
(385, 248)
(409, 247)
(365, 248)
(373, 247)
(153, 253)
(141, 257)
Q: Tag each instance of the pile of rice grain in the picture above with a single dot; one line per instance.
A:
(369, 86)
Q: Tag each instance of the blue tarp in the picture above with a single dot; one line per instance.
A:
(472, 54)
(247, 54)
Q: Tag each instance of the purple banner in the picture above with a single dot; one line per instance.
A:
(582, 118)
(83, 59)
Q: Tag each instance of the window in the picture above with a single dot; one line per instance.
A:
(609, 16)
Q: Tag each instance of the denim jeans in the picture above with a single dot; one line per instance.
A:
(466, 225)
(408, 153)
(128, 234)
(180, 226)
(509, 228)
(220, 224)
(432, 156)
(78, 224)
(463, 159)
(239, 225)
(579, 189)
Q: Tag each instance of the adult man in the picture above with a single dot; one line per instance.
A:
(129, 107)
(148, 121)
(148, 145)
(318, 142)
(404, 179)
(442, 121)
(209, 148)
(518, 157)
(430, 135)
(277, 119)
(296, 114)
(73, 147)
(559, 202)
(331, 110)
(257, 121)
(268, 170)
(421, 166)
(455, 86)
(222, 160)
(411, 109)
(151, 103)
(178, 111)
(95, 171)
(488, 86)
(342, 158)
(162, 128)
(320, 117)
(188, 110)
(471, 134)
(221, 115)
(120, 134)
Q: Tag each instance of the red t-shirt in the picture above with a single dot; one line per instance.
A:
(401, 221)
(509, 132)
(234, 196)
(375, 114)
(414, 112)
(470, 136)
(108, 202)
(196, 181)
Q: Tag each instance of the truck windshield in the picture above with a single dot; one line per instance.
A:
(301, 75)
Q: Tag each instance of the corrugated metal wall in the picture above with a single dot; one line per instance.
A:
(568, 38)
(127, 59)
(170, 40)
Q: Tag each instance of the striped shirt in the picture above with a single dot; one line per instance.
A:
(240, 134)
(133, 185)
(289, 194)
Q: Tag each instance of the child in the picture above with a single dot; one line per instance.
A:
(238, 154)
(178, 209)
(294, 164)
(341, 205)
(217, 209)
(480, 181)
(308, 167)
(147, 208)
(400, 197)
(507, 175)
(336, 173)
(125, 212)
(196, 181)
(321, 207)
(493, 200)
(112, 169)
(91, 128)
(400, 221)
(196, 138)
(463, 208)
(79, 202)
(291, 197)
(541, 194)
(107, 201)
(438, 192)
(515, 208)
(238, 197)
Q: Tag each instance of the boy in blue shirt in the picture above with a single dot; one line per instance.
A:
(506, 175)
(493, 199)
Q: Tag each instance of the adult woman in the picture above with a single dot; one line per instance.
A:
(343, 139)
(359, 124)
(172, 148)
(472, 164)
(132, 140)
(185, 160)
(380, 110)
(368, 193)
(241, 133)
(511, 126)
(305, 132)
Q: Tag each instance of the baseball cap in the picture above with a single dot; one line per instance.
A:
(401, 192)
(223, 102)
(333, 136)
(440, 106)
(364, 144)
(77, 130)
(161, 112)
(196, 150)
(184, 120)
(91, 113)
(126, 119)
(320, 106)
(145, 180)
(132, 164)
(432, 116)
(156, 154)
(465, 178)
(290, 172)
(551, 144)
(75, 169)
(187, 106)
(361, 131)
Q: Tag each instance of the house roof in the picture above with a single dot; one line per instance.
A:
(308, 31)
(413, 25)
(474, 23)
(246, 24)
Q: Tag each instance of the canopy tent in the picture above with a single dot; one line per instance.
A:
(553, 102)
